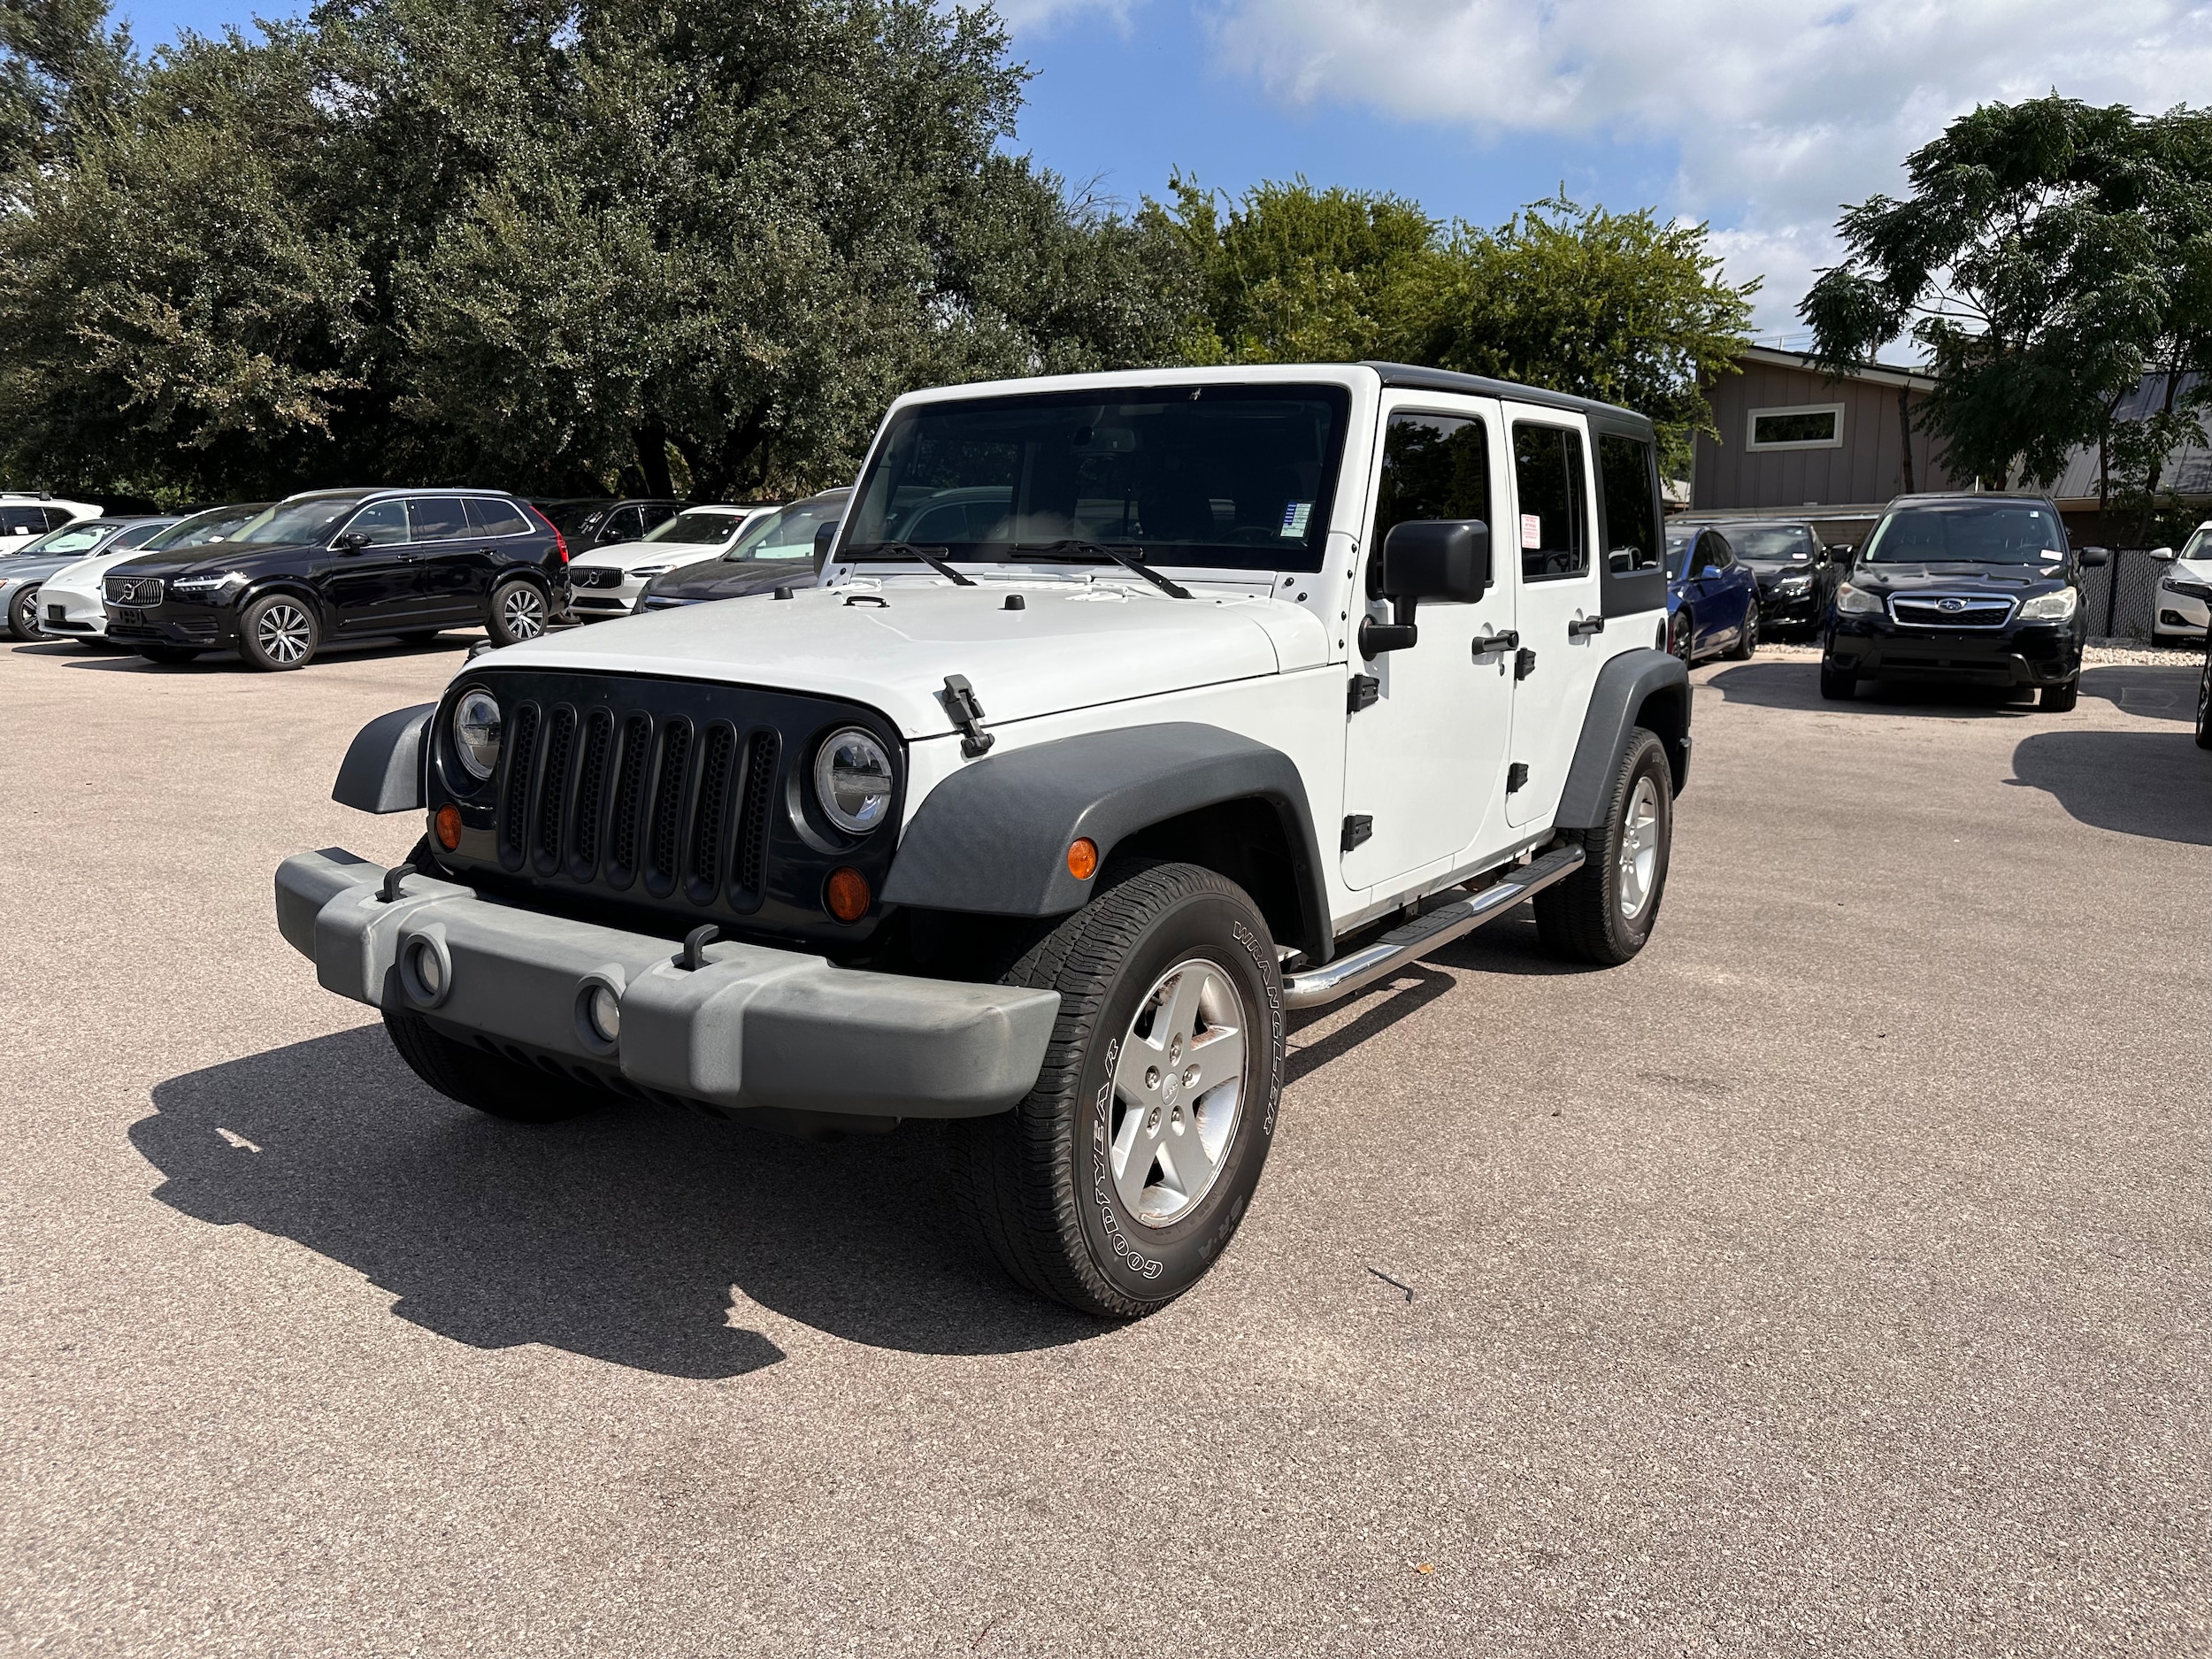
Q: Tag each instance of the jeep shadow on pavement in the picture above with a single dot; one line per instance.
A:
(1223, 694)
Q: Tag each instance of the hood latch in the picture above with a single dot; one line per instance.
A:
(958, 696)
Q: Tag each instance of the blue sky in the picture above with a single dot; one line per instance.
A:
(1762, 118)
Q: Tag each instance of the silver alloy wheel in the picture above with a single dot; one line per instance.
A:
(27, 613)
(282, 633)
(1639, 847)
(522, 613)
(1178, 1084)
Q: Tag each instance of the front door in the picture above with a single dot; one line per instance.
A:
(1552, 527)
(374, 586)
(1425, 762)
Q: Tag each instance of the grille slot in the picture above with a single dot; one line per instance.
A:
(560, 742)
(522, 751)
(756, 794)
(703, 875)
(665, 837)
(629, 800)
(1950, 611)
(591, 795)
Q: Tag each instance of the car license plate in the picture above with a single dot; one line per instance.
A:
(129, 613)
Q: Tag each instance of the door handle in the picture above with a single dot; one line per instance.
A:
(1506, 640)
(1585, 625)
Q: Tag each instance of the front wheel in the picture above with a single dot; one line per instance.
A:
(1603, 913)
(2204, 703)
(519, 612)
(1120, 1179)
(1837, 685)
(278, 633)
(23, 615)
(2058, 699)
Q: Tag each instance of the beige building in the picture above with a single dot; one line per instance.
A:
(1795, 443)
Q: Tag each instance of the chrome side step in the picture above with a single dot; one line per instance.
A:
(1426, 932)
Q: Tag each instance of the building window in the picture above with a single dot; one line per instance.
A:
(1799, 426)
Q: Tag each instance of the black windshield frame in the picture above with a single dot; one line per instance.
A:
(946, 468)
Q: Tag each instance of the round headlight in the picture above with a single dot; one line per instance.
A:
(476, 733)
(852, 780)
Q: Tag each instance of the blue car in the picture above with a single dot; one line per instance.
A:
(1712, 600)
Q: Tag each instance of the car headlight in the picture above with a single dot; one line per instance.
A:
(205, 587)
(476, 732)
(1857, 599)
(651, 569)
(2050, 607)
(1793, 584)
(852, 780)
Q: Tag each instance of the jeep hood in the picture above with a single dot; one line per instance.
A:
(1070, 646)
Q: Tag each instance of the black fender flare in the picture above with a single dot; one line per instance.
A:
(300, 588)
(1626, 685)
(993, 839)
(383, 768)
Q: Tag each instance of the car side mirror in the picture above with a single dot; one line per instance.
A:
(823, 536)
(1709, 573)
(353, 541)
(2094, 557)
(1447, 560)
(2163, 554)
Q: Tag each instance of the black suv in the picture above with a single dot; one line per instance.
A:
(346, 563)
(1967, 589)
(592, 521)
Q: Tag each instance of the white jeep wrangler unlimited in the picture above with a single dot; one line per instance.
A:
(1134, 711)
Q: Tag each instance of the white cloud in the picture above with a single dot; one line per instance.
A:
(1035, 17)
(1779, 111)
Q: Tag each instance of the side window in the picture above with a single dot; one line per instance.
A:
(19, 521)
(436, 517)
(1434, 467)
(55, 517)
(1548, 473)
(1719, 553)
(490, 516)
(1632, 533)
(383, 522)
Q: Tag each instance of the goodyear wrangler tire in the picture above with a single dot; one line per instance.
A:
(1121, 1177)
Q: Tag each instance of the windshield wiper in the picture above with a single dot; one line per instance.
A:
(907, 549)
(1099, 550)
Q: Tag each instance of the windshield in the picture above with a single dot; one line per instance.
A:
(787, 533)
(290, 521)
(217, 524)
(702, 528)
(80, 537)
(1968, 532)
(2200, 545)
(1241, 476)
(1772, 543)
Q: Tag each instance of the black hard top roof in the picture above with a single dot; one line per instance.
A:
(1413, 377)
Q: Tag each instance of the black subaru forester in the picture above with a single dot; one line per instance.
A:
(346, 563)
(1977, 590)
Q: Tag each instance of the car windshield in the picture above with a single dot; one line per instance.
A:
(787, 533)
(293, 521)
(80, 537)
(699, 528)
(1241, 476)
(1968, 533)
(1772, 543)
(2200, 545)
(217, 524)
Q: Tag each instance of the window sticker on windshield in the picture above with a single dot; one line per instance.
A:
(1531, 529)
(1294, 516)
(2053, 554)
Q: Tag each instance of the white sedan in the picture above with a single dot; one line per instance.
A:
(606, 581)
(70, 600)
(2176, 613)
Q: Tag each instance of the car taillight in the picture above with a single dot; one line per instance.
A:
(560, 544)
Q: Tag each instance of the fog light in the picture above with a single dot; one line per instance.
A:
(846, 894)
(448, 826)
(1082, 859)
(426, 967)
(604, 1008)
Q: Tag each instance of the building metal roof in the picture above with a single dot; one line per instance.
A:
(2187, 471)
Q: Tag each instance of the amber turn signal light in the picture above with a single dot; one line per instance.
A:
(448, 826)
(1082, 859)
(846, 894)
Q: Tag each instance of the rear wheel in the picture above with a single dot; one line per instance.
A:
(1603, 913)
(2058, 699)
(278, 633)
(490, 1083)
(23, 615)
(518, 613)
(1121, 1177)
(1678, 637)
(1746, 637)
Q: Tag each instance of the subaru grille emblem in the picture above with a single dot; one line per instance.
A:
(1951, 606)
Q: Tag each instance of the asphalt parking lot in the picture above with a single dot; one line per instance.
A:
(1832, 1279)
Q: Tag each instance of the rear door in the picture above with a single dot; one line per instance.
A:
(453, 557)
(1553, 533)
(1425, 761)
(371, 586)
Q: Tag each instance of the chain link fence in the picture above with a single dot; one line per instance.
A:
(2122, 599)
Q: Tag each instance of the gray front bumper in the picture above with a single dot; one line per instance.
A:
(755, 1027)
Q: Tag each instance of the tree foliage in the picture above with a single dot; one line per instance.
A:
(2051, 254)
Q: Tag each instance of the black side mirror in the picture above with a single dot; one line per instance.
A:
(353, 541)
(2094, 557)
(823, 536)
(1444, 559)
